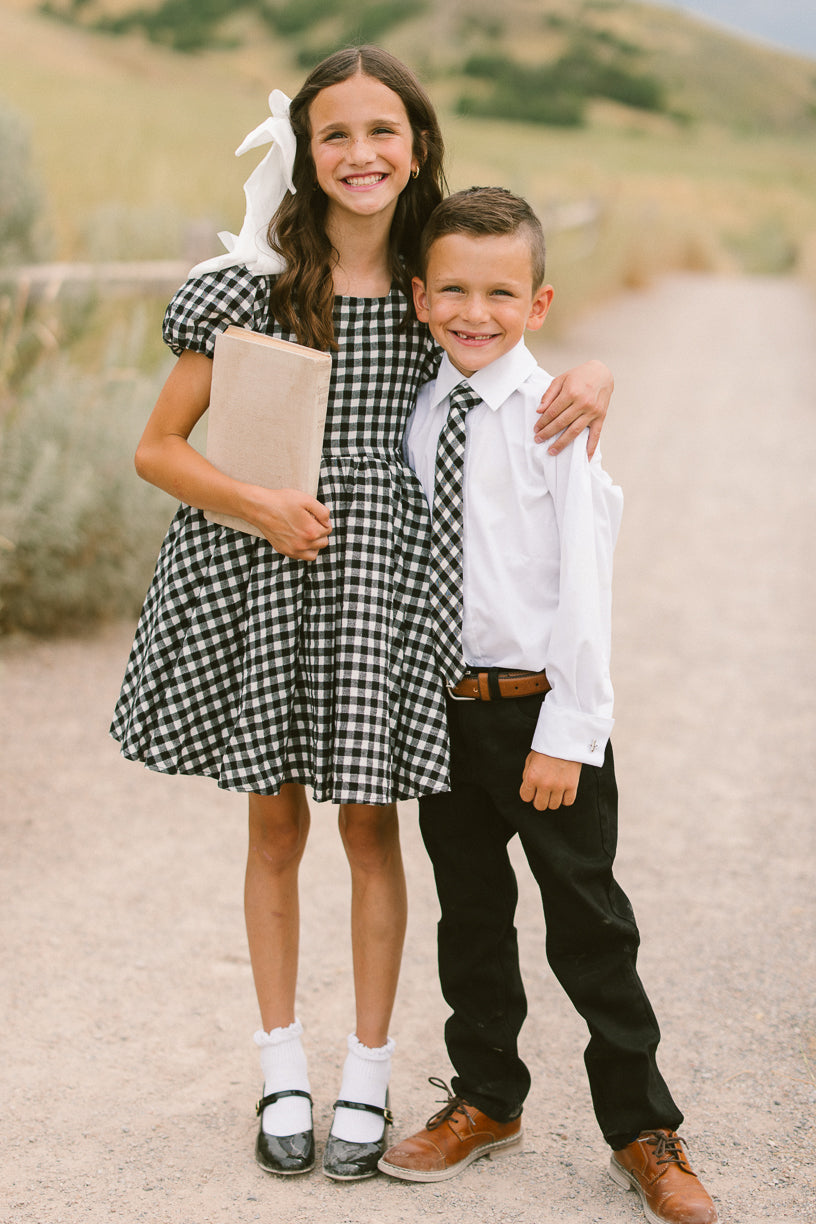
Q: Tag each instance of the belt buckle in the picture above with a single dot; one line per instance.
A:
(456, 696)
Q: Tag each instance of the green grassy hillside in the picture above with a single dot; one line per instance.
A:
(595, 46)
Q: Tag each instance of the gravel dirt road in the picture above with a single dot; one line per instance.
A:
(128, 1075)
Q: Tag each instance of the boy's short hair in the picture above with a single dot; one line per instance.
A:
(486, 211)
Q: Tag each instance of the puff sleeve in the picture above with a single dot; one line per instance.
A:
(208, 304)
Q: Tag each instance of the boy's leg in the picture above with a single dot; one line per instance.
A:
(477, 947)
(592, 943)
(467, 839)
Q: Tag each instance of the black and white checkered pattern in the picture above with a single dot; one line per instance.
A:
(446, 535)
(256, 669)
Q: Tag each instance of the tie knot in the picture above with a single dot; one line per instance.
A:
(464, 397)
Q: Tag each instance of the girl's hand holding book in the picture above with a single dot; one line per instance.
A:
(294, 523)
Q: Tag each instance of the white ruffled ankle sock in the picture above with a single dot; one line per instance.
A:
(283, 1063)
(366, 1073)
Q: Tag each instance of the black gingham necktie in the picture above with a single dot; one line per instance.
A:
(446, 536)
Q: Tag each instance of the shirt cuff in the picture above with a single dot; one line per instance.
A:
(571, 735)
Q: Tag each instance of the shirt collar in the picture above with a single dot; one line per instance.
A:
(494, 383)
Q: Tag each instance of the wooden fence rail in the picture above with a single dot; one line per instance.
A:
(46, 281)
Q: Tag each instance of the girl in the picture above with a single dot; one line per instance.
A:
(304, 658)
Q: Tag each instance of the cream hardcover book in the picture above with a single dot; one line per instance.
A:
(266, 415)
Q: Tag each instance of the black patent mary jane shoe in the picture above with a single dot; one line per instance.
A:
(344, 1160)
(284, 1154)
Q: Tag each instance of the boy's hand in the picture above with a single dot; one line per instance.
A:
(549, 782)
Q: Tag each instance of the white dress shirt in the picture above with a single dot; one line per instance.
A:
(539, 533)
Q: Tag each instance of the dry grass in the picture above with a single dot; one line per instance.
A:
(135, 144)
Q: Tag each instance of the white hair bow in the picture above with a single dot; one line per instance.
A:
(263, 190)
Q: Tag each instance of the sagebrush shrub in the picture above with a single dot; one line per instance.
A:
(21, 199)
(79, 531)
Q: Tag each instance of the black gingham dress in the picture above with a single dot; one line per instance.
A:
(255, 669)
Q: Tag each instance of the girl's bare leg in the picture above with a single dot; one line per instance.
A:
(378, 913)
(278, 828)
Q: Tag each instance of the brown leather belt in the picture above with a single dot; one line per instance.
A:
(491, 685)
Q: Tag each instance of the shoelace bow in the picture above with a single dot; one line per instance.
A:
(668, 1149)
(454, 1104)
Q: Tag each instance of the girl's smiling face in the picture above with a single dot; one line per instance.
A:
(362, 146)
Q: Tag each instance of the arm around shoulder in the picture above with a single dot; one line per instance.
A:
(574, 401)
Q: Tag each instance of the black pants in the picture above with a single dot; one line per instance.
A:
(592, 937)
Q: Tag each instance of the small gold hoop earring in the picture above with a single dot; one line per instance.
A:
(415, 172)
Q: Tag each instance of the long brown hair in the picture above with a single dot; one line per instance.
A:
(303, 294)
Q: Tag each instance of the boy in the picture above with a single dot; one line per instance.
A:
(530, 753)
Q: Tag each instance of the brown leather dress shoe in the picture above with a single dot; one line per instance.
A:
(655, 1165)
(452, 1139)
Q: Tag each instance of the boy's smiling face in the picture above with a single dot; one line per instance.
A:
(478, 297)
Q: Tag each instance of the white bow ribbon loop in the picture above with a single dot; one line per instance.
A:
(263, 192)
